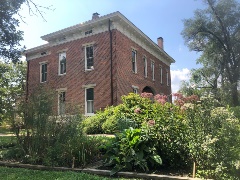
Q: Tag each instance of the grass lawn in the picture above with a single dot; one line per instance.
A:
(25, 174)
(6, 141)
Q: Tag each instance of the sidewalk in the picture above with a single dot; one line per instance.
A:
(1, 134)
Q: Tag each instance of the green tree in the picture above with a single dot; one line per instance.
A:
(12, 82)
(215, 31)
(10, 36)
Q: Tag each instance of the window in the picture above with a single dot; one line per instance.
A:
(134, 61)
(152, 68)
(43, 73)
(167, 78)
(89, 57)
(88, 32)
(62, 63)
(89, 104)
(161, 74)
(145, 66)
(135, 89)
(61, 103)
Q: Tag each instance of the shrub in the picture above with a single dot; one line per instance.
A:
(53, 140)
(214, 140)
(133, 149)
(135, 108)
(93, 124)
(236, 111)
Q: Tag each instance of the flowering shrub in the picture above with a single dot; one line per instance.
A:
(190, 130)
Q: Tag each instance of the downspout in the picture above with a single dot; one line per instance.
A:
(27, 78)
(111, 60)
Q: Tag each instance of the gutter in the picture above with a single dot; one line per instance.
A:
(111, 60)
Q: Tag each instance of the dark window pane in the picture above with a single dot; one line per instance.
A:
(44, 72)
(90, 95)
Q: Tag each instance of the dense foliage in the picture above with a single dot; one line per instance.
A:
(133, 149)
(214, 31)
(12, 83)
(10, 37)
(190, 131)
(51, 140)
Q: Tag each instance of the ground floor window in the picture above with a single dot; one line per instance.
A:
(89, 104)
(61, 103)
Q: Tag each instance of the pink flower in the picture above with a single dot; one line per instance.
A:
(162, 99)
(151, 122)
(137, 110)
(147, 95)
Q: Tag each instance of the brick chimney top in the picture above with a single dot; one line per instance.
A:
(95, 15)
(160, 42)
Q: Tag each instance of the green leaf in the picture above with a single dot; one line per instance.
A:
(157, 159)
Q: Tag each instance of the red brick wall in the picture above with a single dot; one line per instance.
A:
(76, 77)
(126, 78)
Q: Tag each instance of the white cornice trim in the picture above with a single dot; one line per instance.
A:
(118, 21)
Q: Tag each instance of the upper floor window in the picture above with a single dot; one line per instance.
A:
(61, 102)
(167, 76)
(153, 68)
(88, 32)
(89, 57)
(62, 63)
(134, 61)
(161, 78)
(145, 66)
(43, 73)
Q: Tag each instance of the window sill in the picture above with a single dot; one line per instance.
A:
(62, 74)
(43, 82)
(87, 70)
(89, 114)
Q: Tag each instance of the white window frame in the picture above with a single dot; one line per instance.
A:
(41, 69)
(135, 89)
(145, 66)
(61, 55)
(86, 58)
(134, 61)
(88, 101)
(161, 75)
(167, 72)
(88, 86)
(59, 102)
(153, 69)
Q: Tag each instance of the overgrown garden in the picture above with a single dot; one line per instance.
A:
(189, 136)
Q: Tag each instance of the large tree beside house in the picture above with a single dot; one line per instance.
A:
(215, 31)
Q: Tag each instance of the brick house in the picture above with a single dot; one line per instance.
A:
(92, 64)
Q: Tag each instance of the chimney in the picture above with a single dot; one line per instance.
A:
(95, 16)
(160, 42)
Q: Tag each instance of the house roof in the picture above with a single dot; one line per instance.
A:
(115, 17)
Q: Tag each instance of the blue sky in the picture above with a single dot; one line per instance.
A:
(155, 18)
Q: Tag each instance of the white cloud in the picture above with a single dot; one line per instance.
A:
(177, 76)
